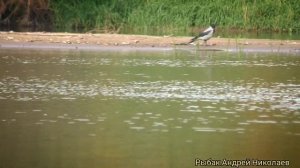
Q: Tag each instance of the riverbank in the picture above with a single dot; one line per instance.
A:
(43, 40)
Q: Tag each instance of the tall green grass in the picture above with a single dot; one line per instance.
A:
(176, 15)
(85, 15)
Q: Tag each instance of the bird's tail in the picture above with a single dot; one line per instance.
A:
(193, 39)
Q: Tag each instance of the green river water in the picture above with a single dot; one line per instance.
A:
(69, 109)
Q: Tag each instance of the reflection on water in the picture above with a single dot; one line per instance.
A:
(146, 109)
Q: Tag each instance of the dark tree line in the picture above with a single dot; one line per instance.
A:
(33, 13)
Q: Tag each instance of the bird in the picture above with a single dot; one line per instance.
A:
(205, 35)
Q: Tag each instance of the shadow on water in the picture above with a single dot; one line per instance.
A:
(147, 109)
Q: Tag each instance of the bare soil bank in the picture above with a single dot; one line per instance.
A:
(120, 41)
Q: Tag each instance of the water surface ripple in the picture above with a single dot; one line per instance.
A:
(278, 95)
(116, 105)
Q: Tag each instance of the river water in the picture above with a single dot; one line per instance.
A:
(147, 108)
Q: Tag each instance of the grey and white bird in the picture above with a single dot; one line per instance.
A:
(205, 35)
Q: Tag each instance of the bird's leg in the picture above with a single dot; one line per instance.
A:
(205, 42)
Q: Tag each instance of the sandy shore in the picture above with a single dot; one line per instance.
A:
(62, 41)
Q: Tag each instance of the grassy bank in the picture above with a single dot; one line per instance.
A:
(273, 15)
(156, 16)
(177, 15)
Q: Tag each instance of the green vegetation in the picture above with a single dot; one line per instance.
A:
(170, 16)
(177, 15)
(106, 15)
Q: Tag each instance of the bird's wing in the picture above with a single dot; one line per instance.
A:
(204, 33)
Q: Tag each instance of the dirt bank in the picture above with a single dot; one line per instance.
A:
(94, 41)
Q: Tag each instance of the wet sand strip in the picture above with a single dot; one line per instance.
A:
(121, 42)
